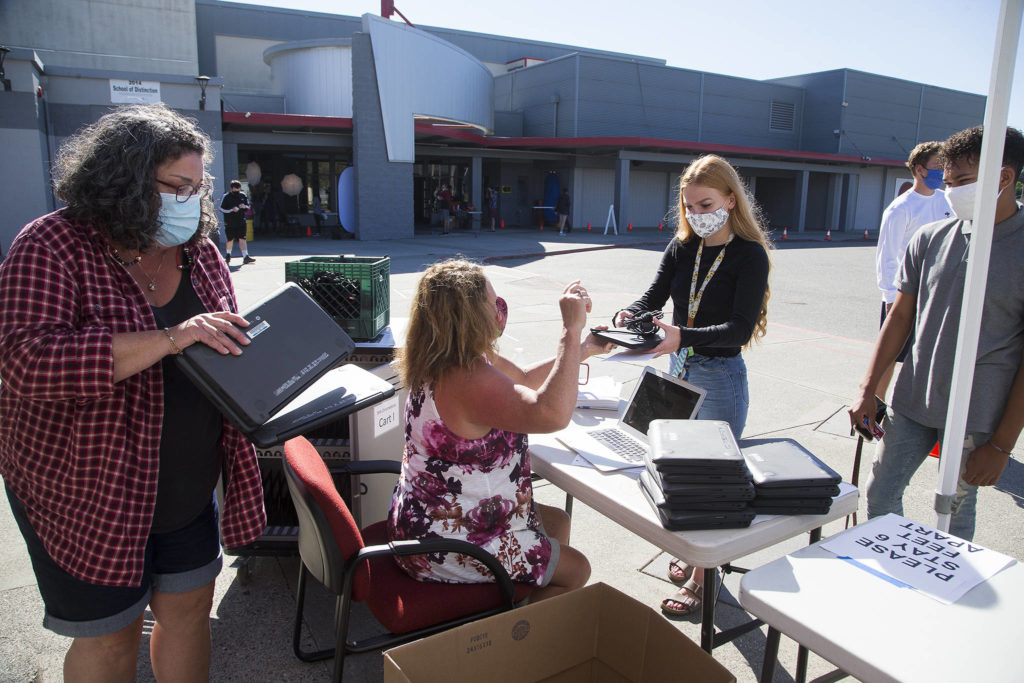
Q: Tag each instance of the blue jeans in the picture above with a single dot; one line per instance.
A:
(725, 380)
(904, 447)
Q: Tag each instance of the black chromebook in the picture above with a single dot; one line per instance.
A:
(293, 343)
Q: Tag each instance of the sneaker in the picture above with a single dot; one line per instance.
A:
(227, 258)
(248, 259)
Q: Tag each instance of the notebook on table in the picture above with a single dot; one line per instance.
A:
(785, 463)
(293, 342)
(680, 447)
(657, 395)
(337, 393)
(692, 520)
(701, 499)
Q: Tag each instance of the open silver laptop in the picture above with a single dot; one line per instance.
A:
(622, 445)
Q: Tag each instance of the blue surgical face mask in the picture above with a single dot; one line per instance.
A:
(178, 220)
(933, 181)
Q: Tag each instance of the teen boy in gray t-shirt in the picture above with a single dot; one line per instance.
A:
(930, 299)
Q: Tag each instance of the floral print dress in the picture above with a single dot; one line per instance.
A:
(476, 490)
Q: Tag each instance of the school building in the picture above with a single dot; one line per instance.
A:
(366, 117)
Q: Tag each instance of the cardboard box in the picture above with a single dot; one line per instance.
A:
(593, 634)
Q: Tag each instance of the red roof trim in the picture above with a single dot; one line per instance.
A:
(342, 123)
(682, 145)
(252, 118)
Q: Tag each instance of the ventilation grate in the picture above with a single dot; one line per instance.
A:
(782, 116)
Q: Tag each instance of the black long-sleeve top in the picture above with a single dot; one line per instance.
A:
(732, 300)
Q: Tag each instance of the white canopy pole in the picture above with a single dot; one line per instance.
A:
(996, 112)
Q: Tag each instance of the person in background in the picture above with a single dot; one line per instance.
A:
(924, 203)
(233, 205)
(466, 467)
(492, 205)
(444, 205)
(109, 454)
(715, 270)
(562, 209)
(929, 302)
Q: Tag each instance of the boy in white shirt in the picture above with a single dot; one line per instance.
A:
(923, 203)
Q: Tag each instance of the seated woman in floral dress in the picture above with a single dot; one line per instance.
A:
(466, 468)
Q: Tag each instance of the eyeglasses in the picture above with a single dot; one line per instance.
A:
(184, 192)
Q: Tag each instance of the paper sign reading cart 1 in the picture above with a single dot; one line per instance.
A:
(936, 563)
(385, 417)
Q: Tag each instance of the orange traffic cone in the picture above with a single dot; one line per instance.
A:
(503, 222)
(309, 231)
(785, 234)
(866, 234)
(588, 225)
(660, 225)
(828, 235)
(936, 450)
(630, 226)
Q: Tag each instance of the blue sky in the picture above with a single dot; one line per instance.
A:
(948, 43)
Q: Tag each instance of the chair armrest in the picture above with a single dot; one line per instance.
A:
(366, 467)
(452, 545)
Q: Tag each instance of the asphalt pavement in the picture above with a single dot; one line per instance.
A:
(823, 318)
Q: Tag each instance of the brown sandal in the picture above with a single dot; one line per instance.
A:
(668, 605)
(679, 572)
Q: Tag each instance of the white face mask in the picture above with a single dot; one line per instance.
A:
(961, 200)
(178, 220)
(707, 224)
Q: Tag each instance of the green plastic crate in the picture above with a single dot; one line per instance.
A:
(359, 301)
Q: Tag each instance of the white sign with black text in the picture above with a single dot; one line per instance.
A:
(134, 92)
(385, 416)
(909, 554)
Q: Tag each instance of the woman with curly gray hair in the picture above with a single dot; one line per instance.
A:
(109, 455)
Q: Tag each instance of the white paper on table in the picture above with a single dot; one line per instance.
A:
(632, 472)
(599, 392)
(938, 564)
(629, 356)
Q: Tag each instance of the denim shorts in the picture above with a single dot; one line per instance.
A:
(725, 380)
(176, 562)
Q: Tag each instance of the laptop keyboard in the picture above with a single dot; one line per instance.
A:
(625, 446)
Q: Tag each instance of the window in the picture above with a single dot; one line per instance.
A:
(782, 116)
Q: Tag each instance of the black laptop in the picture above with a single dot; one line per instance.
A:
(699, 446)
(785, 463)
(293, 343)
(694, 519)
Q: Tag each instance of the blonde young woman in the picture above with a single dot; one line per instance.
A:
(716, 272)
(466, 468)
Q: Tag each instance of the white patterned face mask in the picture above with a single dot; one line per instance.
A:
(707, 224)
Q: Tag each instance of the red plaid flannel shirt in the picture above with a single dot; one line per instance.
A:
(80, 451)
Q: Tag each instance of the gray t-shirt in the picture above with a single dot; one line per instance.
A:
(935, 270)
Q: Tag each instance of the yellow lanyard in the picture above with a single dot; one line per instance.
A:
(695, 294)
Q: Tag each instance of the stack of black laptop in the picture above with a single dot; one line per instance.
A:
(788, 480)
(696, 476)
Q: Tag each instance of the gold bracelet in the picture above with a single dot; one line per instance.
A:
(998, 448)
(174, 345)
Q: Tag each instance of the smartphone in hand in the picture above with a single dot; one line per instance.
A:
(878, 432)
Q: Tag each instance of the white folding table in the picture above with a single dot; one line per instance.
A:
(617, 496)
(877, 631)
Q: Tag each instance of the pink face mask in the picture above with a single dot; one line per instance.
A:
(502, 316)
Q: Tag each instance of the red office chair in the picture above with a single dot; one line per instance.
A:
(360, 567)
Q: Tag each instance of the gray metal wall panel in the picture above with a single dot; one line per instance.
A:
(379, 215)
(648, 193)
(823, 95)
(241, 64)
(869, 199)
(29, 200)
(596, 195)
(94, 34)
